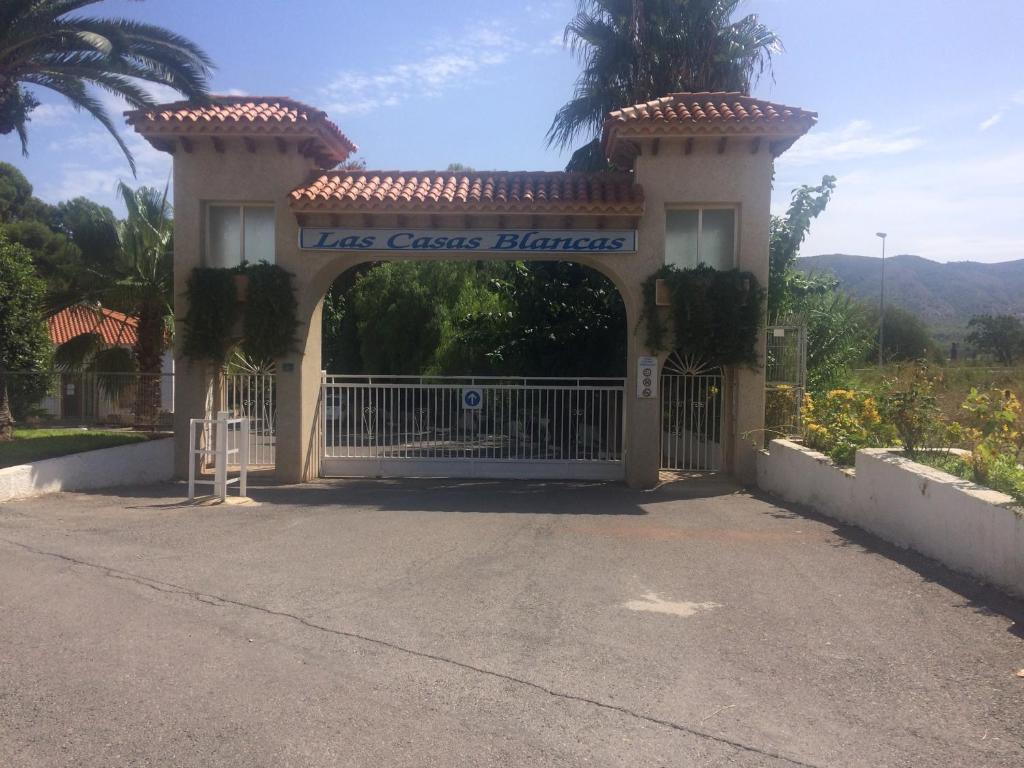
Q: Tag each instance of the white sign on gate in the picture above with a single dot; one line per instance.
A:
(510, 241)
(472, 399)
(646, 377)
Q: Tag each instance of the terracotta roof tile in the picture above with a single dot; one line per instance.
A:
(714, 112)
(709, 113)
(485, 191)
(115, 328)
(244, 116)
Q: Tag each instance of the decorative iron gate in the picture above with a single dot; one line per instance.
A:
(692, 404)
(253, 396)
(473, 427)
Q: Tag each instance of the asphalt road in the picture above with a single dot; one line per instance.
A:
(422, 623)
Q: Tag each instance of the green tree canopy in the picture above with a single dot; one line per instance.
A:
(637, 50)
(25, 346)
(905, 337)
(1001, 336)
(46, 44)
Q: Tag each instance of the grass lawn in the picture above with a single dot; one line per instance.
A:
(35, 444)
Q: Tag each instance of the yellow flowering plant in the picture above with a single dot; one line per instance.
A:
(842, 421)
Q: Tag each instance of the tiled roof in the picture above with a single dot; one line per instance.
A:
(721, 112)
(115, 328)
(704, 114)
(251, 116)
(485, 191)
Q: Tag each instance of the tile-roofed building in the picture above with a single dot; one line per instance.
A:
(114, 328)
(706, 114)
(244, 116)
(484, 191)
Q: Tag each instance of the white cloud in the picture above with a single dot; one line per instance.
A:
(51, 114)
(957, 205)
(455, 61)
(990, 121)
(94, 164)
(857, 139)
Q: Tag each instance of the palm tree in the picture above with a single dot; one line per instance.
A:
(137, 278)
(42, 44)
(637, 50)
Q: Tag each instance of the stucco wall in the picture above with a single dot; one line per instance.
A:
(964, 526)
(123, 465)
(736, 177)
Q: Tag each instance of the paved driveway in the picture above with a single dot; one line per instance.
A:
(421, 623)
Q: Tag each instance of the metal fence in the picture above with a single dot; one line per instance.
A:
(254, 396)
(785, 380)
(91, 398)
(692, 409)
(466, 419)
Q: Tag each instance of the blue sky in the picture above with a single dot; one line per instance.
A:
(921, 102)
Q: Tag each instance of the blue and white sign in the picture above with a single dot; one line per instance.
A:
(472, 399)
(509, 241)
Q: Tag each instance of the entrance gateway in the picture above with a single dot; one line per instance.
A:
(256, 179)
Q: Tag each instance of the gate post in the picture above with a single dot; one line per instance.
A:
(298, 406)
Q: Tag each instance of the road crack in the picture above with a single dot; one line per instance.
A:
(221, 601)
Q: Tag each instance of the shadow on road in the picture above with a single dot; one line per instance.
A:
(977, 595)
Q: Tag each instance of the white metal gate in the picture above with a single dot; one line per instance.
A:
(411, 426)
(254, 397)
(692, 410)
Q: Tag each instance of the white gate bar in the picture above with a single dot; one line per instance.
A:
(222, 453)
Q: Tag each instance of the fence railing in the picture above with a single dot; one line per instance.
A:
(467, 418)
(91, 398)
(253, 396)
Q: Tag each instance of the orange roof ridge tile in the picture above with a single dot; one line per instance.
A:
(494, 191)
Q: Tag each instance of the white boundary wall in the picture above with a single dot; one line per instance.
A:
(133, 464)
(962, 525)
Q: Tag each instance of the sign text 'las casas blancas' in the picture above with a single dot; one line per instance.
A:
(473, 240)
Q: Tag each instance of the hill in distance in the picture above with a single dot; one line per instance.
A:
(944, 296)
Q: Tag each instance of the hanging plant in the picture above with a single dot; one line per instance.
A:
(270, 313)
(212, 313)
(716, 315)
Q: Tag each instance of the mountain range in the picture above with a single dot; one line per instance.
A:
(944, 295)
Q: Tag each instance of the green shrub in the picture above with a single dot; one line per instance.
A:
(843, 421)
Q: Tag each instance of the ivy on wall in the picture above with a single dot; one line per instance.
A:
(270, 313)
(212, 312)
(715, 315)
(269, 320)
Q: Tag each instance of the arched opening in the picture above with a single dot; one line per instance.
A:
(474, 318)
(498, 368)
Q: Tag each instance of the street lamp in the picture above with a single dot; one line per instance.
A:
(881, 309)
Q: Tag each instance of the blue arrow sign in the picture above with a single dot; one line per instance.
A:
(472, 399)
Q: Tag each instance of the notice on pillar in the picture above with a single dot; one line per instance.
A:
(646, 377)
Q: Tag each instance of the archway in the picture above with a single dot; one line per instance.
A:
(474, 368)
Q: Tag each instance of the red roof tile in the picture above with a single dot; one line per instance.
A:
(722, 112)
(485, 191)
(251, 116)
(115, 328)
(717, 113)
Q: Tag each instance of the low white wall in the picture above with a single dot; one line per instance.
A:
(962, 525)
(132, 464)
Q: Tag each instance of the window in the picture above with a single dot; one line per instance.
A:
(701, 236)
(237, 233)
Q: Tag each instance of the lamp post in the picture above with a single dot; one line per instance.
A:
(881, 309)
